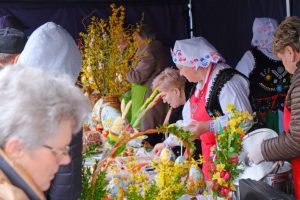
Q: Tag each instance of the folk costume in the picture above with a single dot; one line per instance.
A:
(269, 82)
(222, 86)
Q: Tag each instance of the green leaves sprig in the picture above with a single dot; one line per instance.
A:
(181, 134)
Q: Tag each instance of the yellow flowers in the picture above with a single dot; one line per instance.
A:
(216, 176)
(230, 107)
(220, 167)
(108, 51)
(171, 181)
(229, 145)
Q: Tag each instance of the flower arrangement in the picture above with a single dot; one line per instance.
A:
(171, 181)
(108, 51)
(226, 151)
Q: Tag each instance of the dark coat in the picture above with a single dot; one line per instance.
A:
(67, 181)
(153, 59)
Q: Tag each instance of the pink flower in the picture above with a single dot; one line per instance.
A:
(224, 191)
(225, 175)
(234, 159)
(222, 174)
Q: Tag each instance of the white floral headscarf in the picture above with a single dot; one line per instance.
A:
(263, 31)
(195, 52)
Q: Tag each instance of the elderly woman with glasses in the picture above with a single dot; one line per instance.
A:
(39, 114)
(217, 86)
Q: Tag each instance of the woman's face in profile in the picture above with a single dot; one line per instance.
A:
(191, 74)
(287, 55)
(42, 163)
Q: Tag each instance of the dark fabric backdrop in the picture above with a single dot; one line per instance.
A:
(169, 19)
(227, 24)
(295, 7)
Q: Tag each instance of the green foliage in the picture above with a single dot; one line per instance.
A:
(97, 191)
(183, 135)
(100, 190)
(152, 192)
(133, 193)
(91, 150)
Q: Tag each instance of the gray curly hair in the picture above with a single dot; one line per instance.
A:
(34, 103)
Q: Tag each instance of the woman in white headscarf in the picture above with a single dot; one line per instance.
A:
(269, 81)
(51, 48)
(217, 86)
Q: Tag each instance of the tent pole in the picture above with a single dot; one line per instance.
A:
(191, 19)
(288, 8)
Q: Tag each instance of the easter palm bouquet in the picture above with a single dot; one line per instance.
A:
(226, 152)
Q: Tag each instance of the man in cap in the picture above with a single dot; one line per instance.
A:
(12, 42)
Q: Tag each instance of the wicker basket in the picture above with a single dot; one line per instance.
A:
(112, 101)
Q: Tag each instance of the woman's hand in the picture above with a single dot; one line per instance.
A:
(198, 128)
(158, 148)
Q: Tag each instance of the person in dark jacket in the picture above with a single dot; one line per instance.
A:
(153, 58)
(51, 48)
(286, 45)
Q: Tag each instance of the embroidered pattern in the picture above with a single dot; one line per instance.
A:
(211, 57)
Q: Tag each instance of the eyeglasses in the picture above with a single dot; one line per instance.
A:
(60, 153)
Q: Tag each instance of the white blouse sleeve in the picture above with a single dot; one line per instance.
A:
(186, 112)
(235, 92)
(246, 64)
